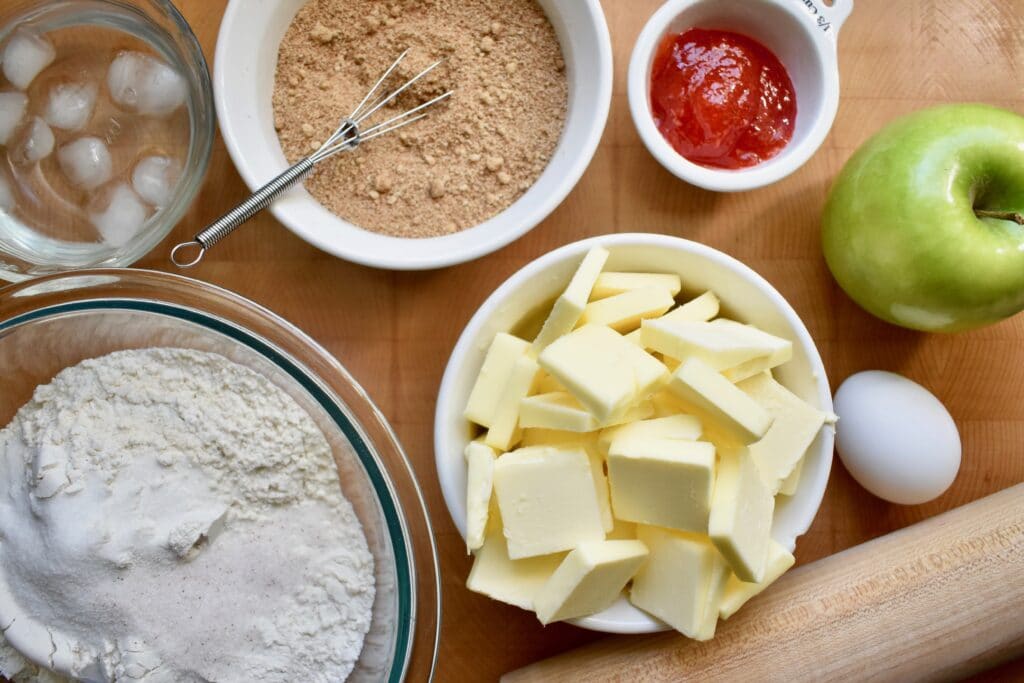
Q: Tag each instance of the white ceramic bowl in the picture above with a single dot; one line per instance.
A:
(246, 57)
(745, 296)
(801, 33)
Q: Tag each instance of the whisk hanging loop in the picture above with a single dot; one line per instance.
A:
(347, 136)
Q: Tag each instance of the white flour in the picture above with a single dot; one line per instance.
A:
(168, 515)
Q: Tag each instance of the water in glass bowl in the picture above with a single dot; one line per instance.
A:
(94, 132)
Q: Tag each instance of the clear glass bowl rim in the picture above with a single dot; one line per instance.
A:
(202, 124)
(324, 379)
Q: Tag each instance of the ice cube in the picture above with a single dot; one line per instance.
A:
(144, 84)
(155, 178)
(69, 106)
(36, 143)
(6, 195)
(12, 111)
(122, 218)
(25, 55)
(86, 162)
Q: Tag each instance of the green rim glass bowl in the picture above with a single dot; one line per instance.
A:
(25, 253)
(54, 322)
(745, 296)
(243, 85)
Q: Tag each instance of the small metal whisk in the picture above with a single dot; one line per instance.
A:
(347, 137)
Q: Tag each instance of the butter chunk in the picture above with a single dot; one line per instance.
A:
(547, 500)
(634, 338)
(612, 283)
(719, 401)
(795, 426)
(665, 404)
(556, 410)
(624, 312)
(722, 344)
(741, 515)
(789, 484)
(515, 582)
(588, 443)
(605, 373)
(533, 436)
(479, 484)
(682, 581)
(686, 427)
(664, 482)
(504, 431)
(737, 592)
(548, 384)
(756, 366)
(622, 531)
(502, 355)
(698, 310)
(589, 579)
(570, 305)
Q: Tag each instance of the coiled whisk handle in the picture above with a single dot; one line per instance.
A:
(232, 220)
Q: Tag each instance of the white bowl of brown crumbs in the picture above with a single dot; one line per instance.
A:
(533, 85)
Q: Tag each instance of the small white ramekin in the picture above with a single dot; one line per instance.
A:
(745, 296)
(803, 35)
(246, 57)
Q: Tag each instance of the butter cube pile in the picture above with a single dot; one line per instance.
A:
(635, 445)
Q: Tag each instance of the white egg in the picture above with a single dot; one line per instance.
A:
(895, 438)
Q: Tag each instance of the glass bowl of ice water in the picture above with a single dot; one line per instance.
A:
(106, 127)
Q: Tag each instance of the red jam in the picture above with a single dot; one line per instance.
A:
(721, 99)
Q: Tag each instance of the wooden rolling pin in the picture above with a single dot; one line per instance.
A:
(936, 601)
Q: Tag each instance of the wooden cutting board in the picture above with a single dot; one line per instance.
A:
(394, 330)
(933, 602)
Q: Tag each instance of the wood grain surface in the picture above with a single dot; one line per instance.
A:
(394, 330)
(928, 602)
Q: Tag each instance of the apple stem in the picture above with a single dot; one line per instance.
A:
(1014, 216)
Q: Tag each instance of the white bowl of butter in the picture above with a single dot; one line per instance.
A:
(519, 307)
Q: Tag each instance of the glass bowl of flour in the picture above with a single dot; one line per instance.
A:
(192, 489)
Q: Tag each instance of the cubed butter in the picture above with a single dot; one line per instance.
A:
(665, 404)
(624, 312)
(612, 283)
(605, 373)
(504, 431)
(589, 579)
(548, 384)
(515, 582)
(634, 338)
(795, 426)
(713, 602)
(588, 442)
(547, 500)
(719, 402)
(686, 427)
(556, 410)
(664, 482)
(479, 484)
(698, 310)
(622, 530)
(487, 391)
(737, 592)
(756, 366)
(680, 583)
(741, 515)
(558, 438)
(790, 483)
(570, 305)
(721, 344)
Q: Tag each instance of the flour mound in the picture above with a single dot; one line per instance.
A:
(169, 515)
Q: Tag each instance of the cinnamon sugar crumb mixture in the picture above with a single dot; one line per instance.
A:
(473, 156)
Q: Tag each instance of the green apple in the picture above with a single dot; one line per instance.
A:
(924, 226)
